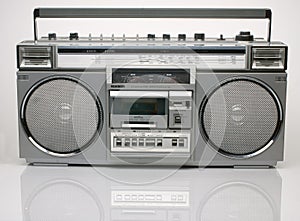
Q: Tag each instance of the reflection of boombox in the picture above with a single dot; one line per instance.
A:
(155, 101)
(81, 193)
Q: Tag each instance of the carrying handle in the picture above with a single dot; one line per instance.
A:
(209, 13)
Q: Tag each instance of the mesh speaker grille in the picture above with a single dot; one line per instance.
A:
(62, 115)
(240, 117)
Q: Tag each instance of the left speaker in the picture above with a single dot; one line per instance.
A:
(60, 115)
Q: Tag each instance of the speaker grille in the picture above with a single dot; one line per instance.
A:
(62, 115)
(240, 117)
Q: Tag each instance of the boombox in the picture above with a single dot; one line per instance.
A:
(186, 100)
(81, 193)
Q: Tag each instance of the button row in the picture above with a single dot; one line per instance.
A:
(138, 142)
(149, 142)
(242, 36)
(181, 37)
(138, 197)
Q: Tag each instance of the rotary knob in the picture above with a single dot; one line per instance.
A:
(244, 36)
(151, 36)
(181, 37)
(73, 36)
(52, 36)
(166, 37)
(199, 36)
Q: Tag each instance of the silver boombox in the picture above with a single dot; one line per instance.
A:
(169, 100)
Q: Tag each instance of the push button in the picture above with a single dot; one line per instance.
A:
(174, 142)
(159, 143)
(177, 119)
(127, 142)
(118, 142)
(181, 142)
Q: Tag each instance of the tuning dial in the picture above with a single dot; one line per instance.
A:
(74, 36)
(199, 36)
(52, 36)
(151, 36)
(166, 37)
(181, 37)
(244, 36)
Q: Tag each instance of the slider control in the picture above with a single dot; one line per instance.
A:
(177, 119)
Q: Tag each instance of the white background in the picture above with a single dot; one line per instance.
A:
(16, 25)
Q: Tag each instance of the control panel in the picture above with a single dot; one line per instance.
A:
(146, 141)
(180, 109)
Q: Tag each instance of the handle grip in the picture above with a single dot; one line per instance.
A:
(209, 13)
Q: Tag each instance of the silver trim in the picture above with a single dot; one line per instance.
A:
(137, 94)
(51, 152)
(138, 125)
(246, 156)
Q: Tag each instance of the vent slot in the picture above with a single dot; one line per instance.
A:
(35, 57)
(268, 58)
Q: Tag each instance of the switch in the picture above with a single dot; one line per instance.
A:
(166, 37)
(199, 36)
(150, 142)
(141, 142)
(181, 142)
(174, 142)
(134, 142)
(52, 36)
(151, 36)
(177, 119)
(181, 37)
(73, 36)
(118, 142)
(159, 142)
(127, 142)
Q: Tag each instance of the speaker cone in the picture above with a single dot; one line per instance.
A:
(61, 115)
(240, 117)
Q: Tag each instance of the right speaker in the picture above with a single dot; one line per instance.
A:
(241, 118)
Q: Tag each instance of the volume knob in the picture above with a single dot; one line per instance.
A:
(73, 36)
(244, 36)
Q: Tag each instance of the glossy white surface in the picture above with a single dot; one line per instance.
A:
(118, 193)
